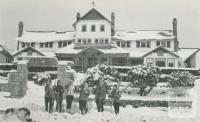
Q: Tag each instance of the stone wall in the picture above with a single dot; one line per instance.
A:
(17, 81)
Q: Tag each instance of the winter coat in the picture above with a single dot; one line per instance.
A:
(49, 91)
(59, 90)
(100, 92)
(84, 94)
(70, 90)
(115, 95)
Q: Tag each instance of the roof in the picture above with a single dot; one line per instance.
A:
(71, 50)
(186, 53)
(143, 34)
(4, 51)
(93, 14)
(46, 36)
(161, 48)
(27, 48)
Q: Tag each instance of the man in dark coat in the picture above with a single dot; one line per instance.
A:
(59, 90)
(100, 95)
(83, 98)
(49, 96)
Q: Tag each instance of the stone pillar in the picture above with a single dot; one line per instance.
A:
(17, 81)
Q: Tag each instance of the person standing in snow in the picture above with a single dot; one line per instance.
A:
(70, 92)
(83, 98)
(59, 90)
(49, 96)
(115, 98)
(100, 95)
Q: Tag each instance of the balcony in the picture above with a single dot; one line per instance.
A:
(97, 45)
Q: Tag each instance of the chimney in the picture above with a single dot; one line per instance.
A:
(78, 16)
(176, 42)
(112, 23)
(20, 28)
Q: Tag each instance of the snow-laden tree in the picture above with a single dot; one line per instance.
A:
(110, 75)
(144, 77)
(180, 82)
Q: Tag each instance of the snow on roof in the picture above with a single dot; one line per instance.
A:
(48, 54)
(46, 36)
(71, 50)
(143, 34)
(185, 53)
(137, 53)
(27, 48)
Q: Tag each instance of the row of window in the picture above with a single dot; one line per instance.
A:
(96, 41)
(163, 43)
(92, 28)
(46, 44)
(123, 44)
(143, 44)
(161, 62)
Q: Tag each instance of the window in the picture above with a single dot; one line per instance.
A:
(29, 53)
(171, 62)
(163, 44)
(103, 59)
(84, 28)
(93, 28)
(84, 41)
(64, 43)
(60, 44)
(138, 44)
(158, 43)
(160, 62)
(46, 44)
(168, 44)
(32, 44)
(41, 45)
(143, 44)
(69, 42)
(89, 41)
(102, 28)
(123, 44)
(150, 61)
(19, 58)
(101, 41)
(96, 41)
(50, 44)
(118, 43)
(106, 41)
(23, 45)
(148, 44)
(79, 40)
(128, 44)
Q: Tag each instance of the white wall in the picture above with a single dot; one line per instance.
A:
(93, 35)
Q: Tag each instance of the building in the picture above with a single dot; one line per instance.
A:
(5, 55)
(95, 40)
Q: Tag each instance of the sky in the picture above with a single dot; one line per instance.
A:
(59, 15)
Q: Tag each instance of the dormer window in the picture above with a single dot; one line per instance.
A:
(93, 28)
(102, 28)
(23, 44)
(158, 43)
(84, 28)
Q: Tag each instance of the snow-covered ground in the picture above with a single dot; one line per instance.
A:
(34, 101)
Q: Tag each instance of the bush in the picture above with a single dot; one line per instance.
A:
(144, 77)
(42, 77)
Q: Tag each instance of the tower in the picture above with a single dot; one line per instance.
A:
(112, 24)
(20, 28)
(176, 42)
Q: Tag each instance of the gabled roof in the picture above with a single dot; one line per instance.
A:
(93, 14)
(27, 48)
(186, 53)
(161, 48)
(4, 51)
(90, 49)
(143, 34)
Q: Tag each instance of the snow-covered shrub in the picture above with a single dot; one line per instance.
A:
(110, 75)
(144, 77)
(42, 77)
(180, 81)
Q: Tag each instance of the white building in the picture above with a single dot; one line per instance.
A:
(95, 40)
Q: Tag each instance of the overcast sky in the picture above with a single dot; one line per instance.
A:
(132, 15)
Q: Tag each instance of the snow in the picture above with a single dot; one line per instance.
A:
(34, 101)
(48, 36)
(144, 34)
(185, 53)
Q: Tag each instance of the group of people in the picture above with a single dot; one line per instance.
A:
(58, 92)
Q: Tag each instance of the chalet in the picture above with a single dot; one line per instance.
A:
(95, 40)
